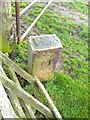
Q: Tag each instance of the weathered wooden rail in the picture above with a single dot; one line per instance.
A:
(28, 7)
(19, 14)
(19, 99)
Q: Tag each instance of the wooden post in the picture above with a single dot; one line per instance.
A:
(17, 6)
(5, 25)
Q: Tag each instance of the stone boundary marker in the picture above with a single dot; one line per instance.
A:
(43, 54)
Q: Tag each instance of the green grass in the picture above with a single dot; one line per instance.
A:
(68, 89)
(19, 54)
(70, 96)
(74, 38)
(78, 6)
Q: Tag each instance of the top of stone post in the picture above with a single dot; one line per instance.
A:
(45, 42)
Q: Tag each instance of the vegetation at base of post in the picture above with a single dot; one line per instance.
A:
(68, 89)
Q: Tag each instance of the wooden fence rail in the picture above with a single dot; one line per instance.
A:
(19, 14)
(10, 85)
(15, 91)
(28, 7)
(34, 22)
(5, 105)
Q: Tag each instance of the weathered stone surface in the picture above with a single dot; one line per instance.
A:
(43, 53)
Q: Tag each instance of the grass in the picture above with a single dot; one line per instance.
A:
(69, 96)
(68, 89)
(19, 54)
(78, 6)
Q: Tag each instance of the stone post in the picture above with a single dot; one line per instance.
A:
(43, 54)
